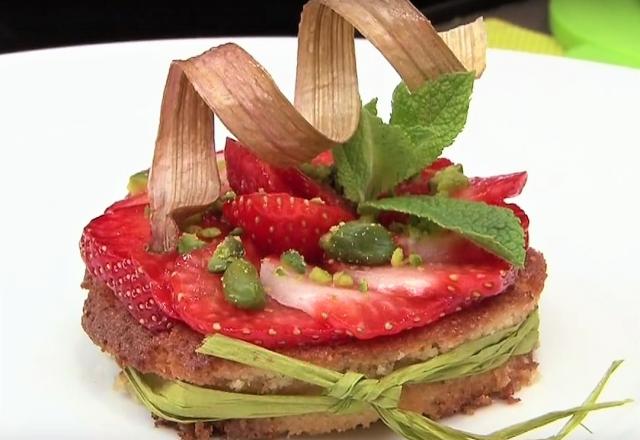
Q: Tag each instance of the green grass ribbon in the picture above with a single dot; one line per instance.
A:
(352, 392)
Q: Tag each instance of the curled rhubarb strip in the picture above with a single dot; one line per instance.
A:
(469, 43)
(227, 82)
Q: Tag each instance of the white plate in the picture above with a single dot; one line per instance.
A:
(74, 123)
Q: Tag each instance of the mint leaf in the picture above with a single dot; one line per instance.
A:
(434, 114)
(493, 228)
(375, 159)
(441, 104)
(423, 123)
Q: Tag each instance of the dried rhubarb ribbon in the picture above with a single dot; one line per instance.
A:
(227, 82)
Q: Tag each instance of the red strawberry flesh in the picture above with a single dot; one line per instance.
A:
(279, 222)
(366, 315)
(200, 302)
(493, 190)
(249, 174)
(113, 247)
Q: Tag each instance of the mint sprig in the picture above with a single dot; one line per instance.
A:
(380, 155)
(491, 227)
(375, 159)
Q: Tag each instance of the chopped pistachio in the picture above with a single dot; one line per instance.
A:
(449, 180)
(280, 271)
(397, 258)
(415, 260)
(320, 276)
(342, 279)
(189, 242)
(363, 286)
(194, 219)
(358, 243)
(138, 182)
(231, 248)
(293, 260)
(320, 173)
(211, 232)
(228, 196)
(242, 286)
(193, 229)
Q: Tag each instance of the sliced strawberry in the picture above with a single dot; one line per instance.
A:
(113, 246)
(279, 222)
(444, 247)
(493, 190)
(301, 185)
(249, 174)
(200, 302)
(376, 313)
(420, 183)
(137, 200)
(429, 280)
(325, 158)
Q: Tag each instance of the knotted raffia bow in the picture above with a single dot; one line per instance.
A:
(230, 84)
(346, 393)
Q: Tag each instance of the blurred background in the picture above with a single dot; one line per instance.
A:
(30, 25)
(602, 30)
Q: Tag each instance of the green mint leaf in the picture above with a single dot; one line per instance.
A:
(433, 115)
(375, 159)
(423, 123)
(493, 228)
(441, 104)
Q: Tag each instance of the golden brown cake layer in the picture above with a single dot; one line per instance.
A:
(172, 355)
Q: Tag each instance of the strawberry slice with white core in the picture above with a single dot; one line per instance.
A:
(199, 299)
(429, 280)
(443, 247)
(373, 313)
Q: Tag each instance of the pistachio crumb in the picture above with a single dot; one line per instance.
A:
(342, 279)
(363, 286)
(211, 232)
(294, 261)
(189, 242)
(415, 260)
(397, 258)
(193, 229)
(320, 276)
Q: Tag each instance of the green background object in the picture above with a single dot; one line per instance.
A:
(599, 30)
(505, 35)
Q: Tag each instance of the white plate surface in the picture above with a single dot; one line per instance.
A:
(74, 123)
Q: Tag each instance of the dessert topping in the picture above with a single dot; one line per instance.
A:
(189, 242)
(138, 183)
(277, 222)
(229, 249)
(293, 260)
(449, 180)
(358, 242)
(242, 286)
